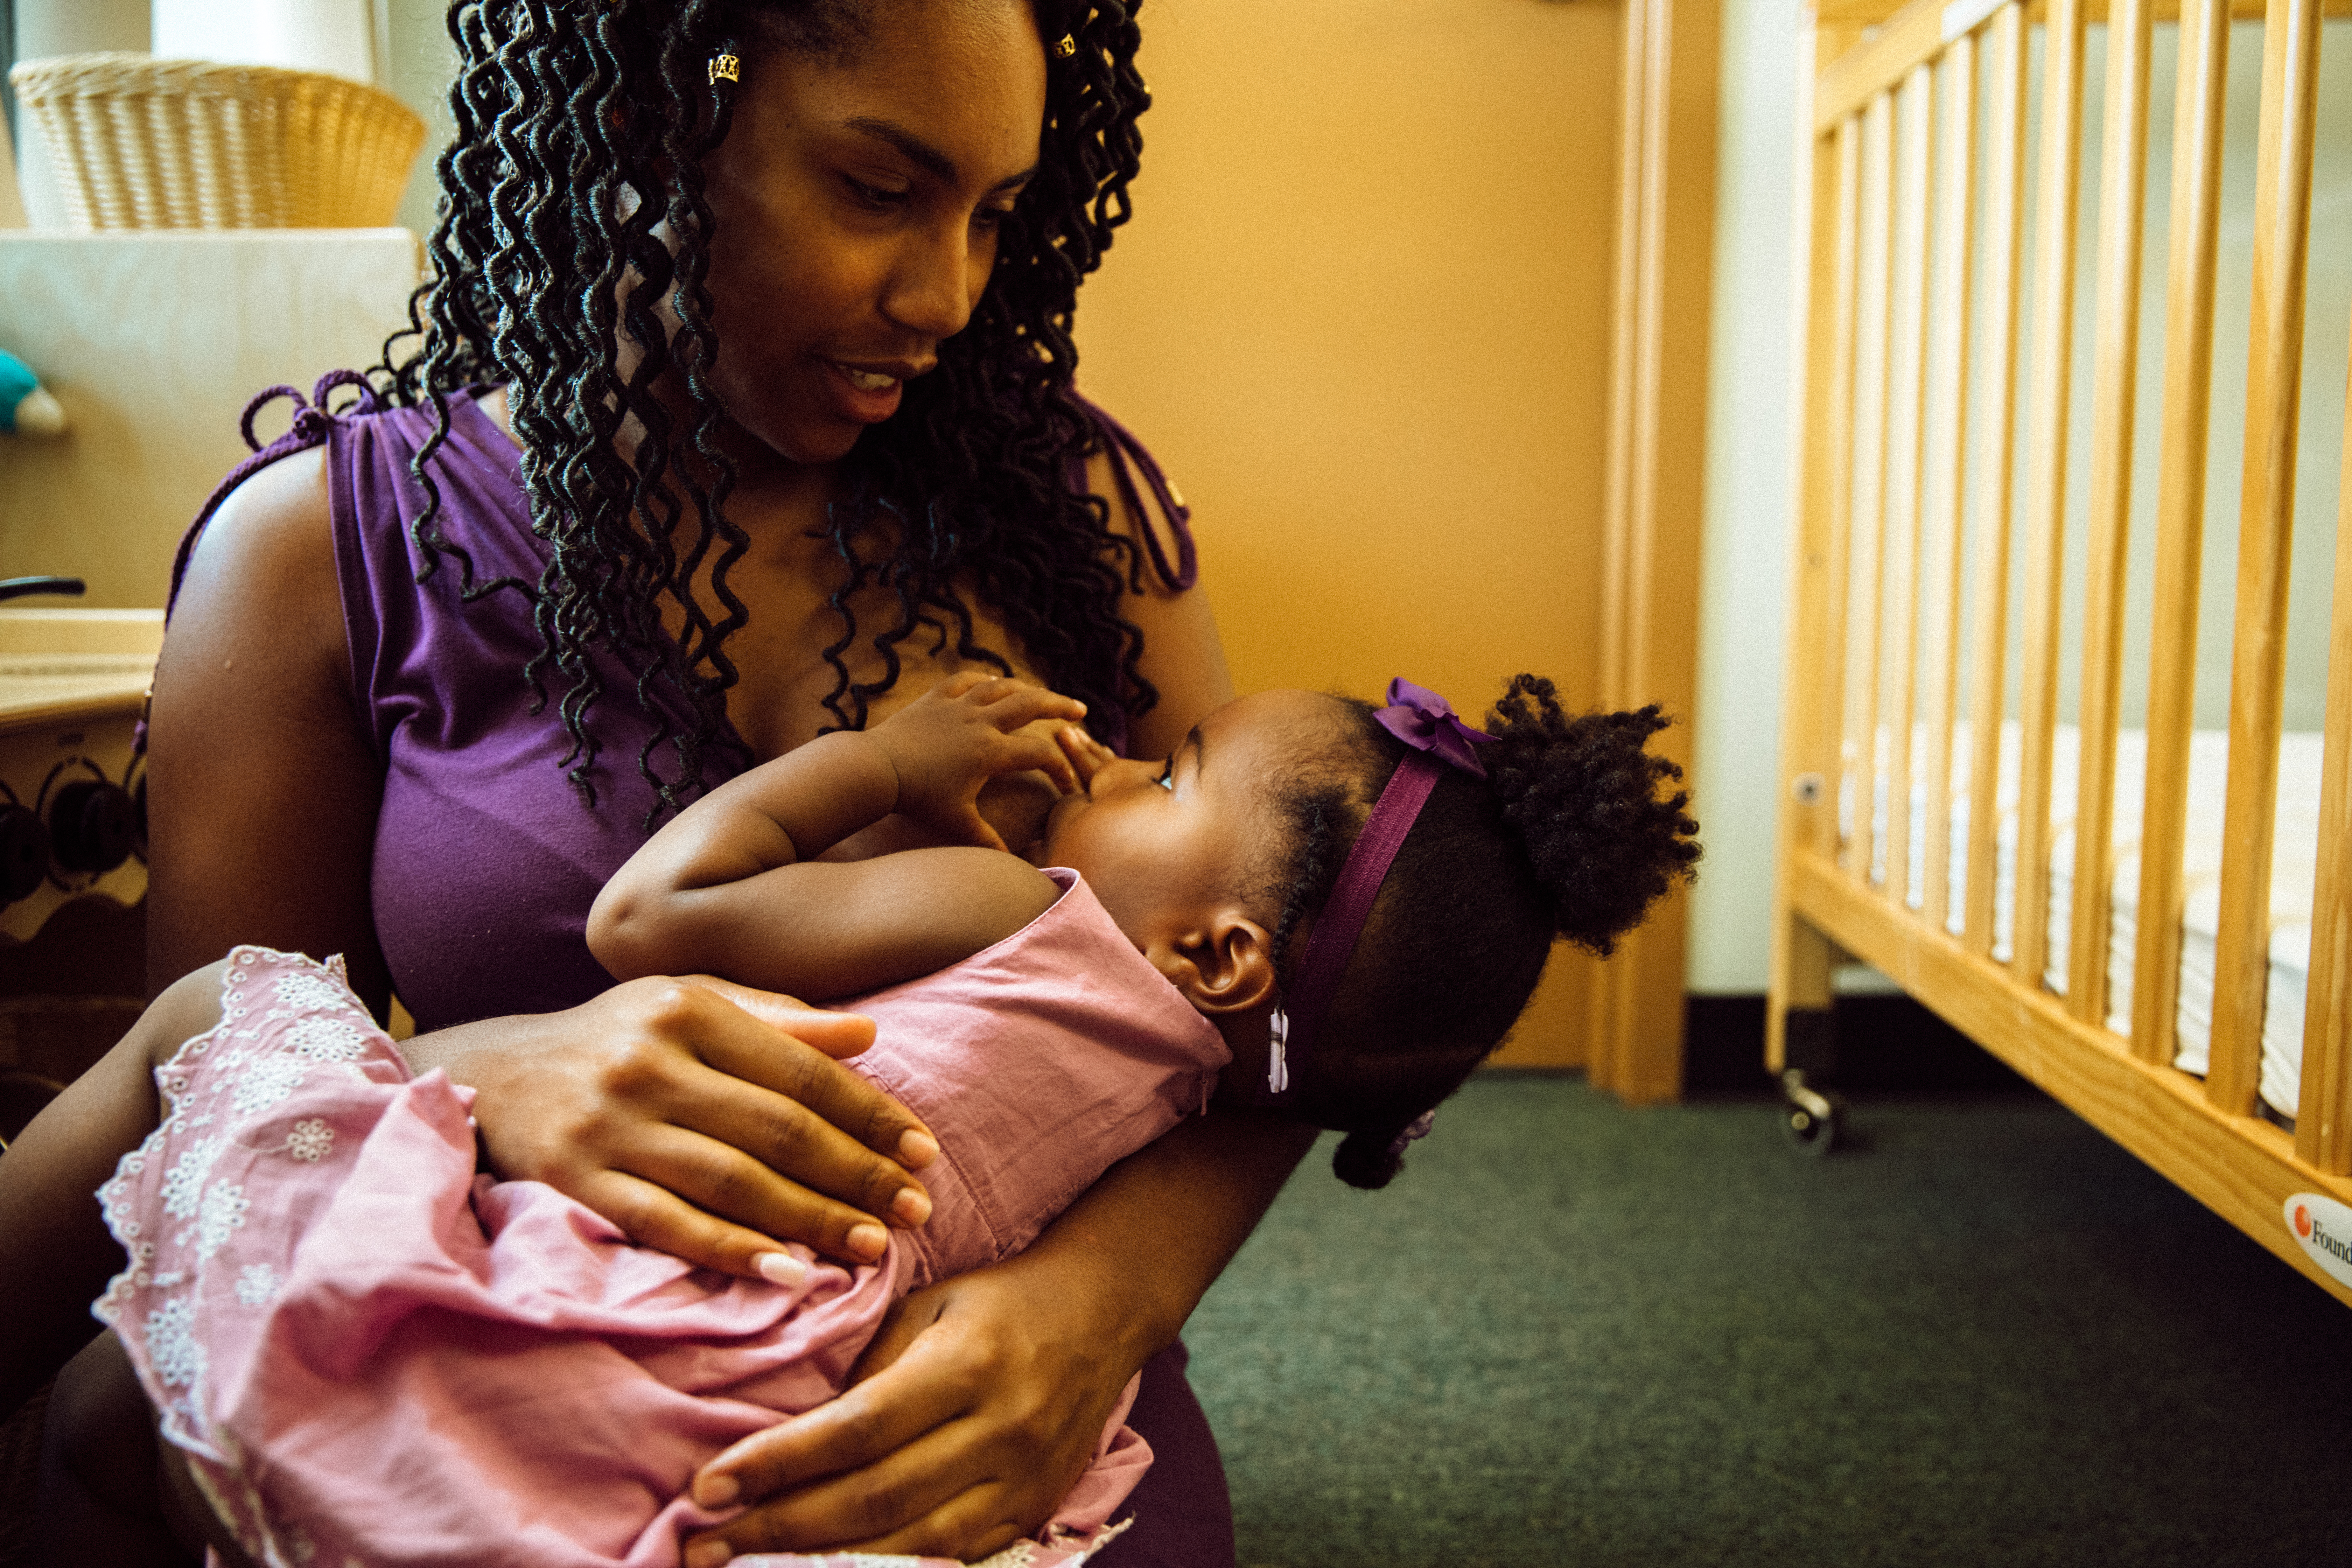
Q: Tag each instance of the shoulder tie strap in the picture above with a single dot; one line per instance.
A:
(1120, 445)
(312, 422)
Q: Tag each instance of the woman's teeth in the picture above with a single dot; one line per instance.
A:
(867, 380)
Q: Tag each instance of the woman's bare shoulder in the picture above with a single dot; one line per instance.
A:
(273, 532)
(260, 592)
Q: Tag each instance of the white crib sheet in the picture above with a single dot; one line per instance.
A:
(2294, 857)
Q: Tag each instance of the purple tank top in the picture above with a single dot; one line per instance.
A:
(486, 859)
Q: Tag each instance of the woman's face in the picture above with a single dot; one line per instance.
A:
(857, 200)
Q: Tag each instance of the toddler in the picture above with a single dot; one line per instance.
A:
(363, 1350)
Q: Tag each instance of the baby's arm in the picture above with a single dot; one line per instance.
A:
(732, 886)
(55, 1253)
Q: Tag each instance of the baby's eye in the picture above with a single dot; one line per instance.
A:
(1167, 779)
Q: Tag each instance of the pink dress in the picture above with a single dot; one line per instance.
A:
(370, 1354)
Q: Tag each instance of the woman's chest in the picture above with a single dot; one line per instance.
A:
(818, 645)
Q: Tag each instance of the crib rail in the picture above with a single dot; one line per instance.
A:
(1936, 343)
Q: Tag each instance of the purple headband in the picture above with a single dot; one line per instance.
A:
(1427, 723)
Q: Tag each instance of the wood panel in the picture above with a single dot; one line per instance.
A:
(1658, 398)
(2242, 1168)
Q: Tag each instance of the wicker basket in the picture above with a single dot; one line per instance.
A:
(140, 142)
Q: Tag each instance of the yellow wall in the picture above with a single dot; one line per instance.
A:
(1362, 316)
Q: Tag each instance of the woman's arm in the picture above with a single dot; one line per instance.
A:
(983, 1397)
(691, 1122)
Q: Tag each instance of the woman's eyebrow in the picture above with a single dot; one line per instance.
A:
(925, 156)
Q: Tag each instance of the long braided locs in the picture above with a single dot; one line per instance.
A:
(573, 209)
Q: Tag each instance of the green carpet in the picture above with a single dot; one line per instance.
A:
(1572, 1334)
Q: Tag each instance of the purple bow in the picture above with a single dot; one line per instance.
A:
(1427, 722)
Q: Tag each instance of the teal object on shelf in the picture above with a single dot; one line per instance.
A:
(26, 408)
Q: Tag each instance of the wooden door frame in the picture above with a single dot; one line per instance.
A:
(1663, 238)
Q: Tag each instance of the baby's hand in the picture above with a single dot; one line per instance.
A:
(1087, 755)
(967, 729)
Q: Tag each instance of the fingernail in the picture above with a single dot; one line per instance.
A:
(916, 1149)
(780, 1269)
(868, 1240)
(716, 1491)
(911, 1206)
(708, 1553)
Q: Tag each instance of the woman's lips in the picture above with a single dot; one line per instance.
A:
(868, 393)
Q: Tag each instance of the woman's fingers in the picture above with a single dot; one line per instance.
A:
(836, 1101)
(977, 1423)
(838, 1034)
(746, 1194)
(700, 1129)
(909, 1506)
(652, 1217)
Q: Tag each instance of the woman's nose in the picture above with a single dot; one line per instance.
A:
(936, 286)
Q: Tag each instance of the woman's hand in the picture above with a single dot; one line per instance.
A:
(702, 1118)
(983, 1395)
(965, 731)
(971, 1414)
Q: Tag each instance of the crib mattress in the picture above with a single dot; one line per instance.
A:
(2295, 857)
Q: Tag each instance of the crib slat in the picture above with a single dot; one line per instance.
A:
(1906, 433)
(1828, 174)
(1825, 487)
(2323, 1122)
(1860, 752)
(1996, 435)
(2180, 519)
(1940, 505)
(1838, 478)
(2045, 499)
(2123, 200)
(2265, 537)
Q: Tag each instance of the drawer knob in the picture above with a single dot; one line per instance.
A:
(91, 825)
(24, 852)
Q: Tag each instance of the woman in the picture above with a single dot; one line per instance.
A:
(775, 299)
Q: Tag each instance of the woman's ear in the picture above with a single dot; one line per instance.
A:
(1224, 965)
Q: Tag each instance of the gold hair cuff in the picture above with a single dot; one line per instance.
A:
(725, 66)
(1066, 47)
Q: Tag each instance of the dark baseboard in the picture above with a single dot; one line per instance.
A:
(1884, 1044)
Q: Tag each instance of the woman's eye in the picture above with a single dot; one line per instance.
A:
(991, 218)
(874, 196)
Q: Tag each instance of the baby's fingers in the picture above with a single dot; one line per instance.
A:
(1087, 755)
(1013, 704)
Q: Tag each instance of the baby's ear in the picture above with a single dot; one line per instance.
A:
(1225, 965)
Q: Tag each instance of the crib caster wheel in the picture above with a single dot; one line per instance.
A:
(1813, 1120)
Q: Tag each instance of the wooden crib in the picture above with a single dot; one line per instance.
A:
(1939, 342)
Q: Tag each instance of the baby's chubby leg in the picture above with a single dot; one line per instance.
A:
(55, 1253)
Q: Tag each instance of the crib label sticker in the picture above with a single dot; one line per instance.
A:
(2323, 1228)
